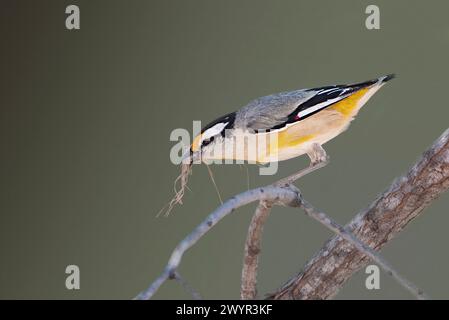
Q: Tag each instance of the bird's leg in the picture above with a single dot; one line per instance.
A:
(318, 159)
(317, 155)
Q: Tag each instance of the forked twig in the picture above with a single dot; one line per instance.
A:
(270, 193)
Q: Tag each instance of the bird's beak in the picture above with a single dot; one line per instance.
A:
(191, 157)
(386, 78)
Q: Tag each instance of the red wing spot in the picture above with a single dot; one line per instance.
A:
(296, 118)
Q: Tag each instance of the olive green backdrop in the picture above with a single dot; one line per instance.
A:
(86, 117)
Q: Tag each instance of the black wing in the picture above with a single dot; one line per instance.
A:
(323, 98)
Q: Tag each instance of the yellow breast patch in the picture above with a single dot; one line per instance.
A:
(287, 140)
(347, 105)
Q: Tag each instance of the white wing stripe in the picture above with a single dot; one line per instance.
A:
(318, 106)
(328, 91)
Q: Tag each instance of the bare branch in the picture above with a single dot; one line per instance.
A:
(284, 195)
(252, 250)
(342, 255)
(363, 248)
(404, 200)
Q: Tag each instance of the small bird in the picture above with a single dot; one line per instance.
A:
(279, 127)
(300, 120)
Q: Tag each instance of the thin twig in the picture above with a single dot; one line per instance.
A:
(363, 248)
(252, 250)
(290, 179)
(187, 287)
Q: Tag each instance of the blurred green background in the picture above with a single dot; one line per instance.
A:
(86, 117)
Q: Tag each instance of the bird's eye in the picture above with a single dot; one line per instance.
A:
(207, 141)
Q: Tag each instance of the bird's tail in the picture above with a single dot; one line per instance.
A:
(369, 83)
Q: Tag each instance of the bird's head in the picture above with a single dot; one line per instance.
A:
(213, 140)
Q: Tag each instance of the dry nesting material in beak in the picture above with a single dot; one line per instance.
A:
(182, 179)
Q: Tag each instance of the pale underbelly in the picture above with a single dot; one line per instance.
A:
(298, 150)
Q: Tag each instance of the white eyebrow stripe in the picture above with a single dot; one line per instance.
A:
(212, 131)
(318, 106)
